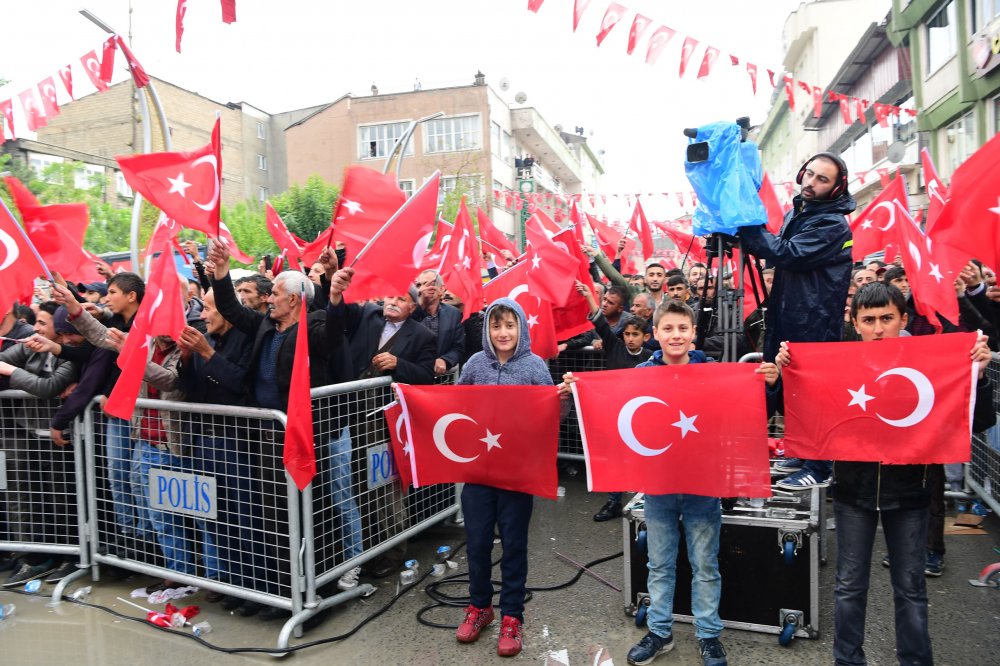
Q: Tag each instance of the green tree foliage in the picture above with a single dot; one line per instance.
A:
(307, 209)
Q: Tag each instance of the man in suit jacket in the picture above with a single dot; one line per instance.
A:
(442, 320)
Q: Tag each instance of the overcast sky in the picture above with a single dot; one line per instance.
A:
(284, 54)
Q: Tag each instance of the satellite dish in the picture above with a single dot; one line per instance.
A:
(505, 84)
(520, 98)
(558, 128)
(896, 152)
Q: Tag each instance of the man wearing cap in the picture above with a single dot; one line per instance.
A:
(92, 292)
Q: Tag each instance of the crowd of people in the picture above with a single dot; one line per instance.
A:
(238, 348)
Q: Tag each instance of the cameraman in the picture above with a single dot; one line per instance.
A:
(811, 256)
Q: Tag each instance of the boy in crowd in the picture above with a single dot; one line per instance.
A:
(506, 359)
(626, 350)
(701, 518)
(898, 495)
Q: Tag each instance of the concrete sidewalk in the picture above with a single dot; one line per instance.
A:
(965, 621)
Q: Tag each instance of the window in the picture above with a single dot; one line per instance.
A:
(122, 186)
(984, 11)
(88, 177)
(378, 140)
(262, 194)
(42, 162)
(507, 145)
(262, 162)
(407, 187)
(470, 186)
(262, 131)
(452, 134)
(495, 142)
(942, 37)
(961, 138)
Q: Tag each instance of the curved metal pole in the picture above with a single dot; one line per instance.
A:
(404, 141)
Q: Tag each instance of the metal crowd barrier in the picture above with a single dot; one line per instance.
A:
(577, 360)
(356, 509)
(41, 484)
(982, 474)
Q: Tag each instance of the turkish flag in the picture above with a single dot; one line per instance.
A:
(899, 400)
(790, 91)
(390, 261)
(184, 185)
(937, 193)
(179, 23)
(299, 452)
(687, 244)
(639, 25)
(160, 313)
(461, 268)
(47, 88)
(579, 6)
(628, 265)
(367, 200)
(752, 72)
(698, 429)
(605, 236)
(66, 74)
(775, 214)
(552, 270)
(657, 42)
(396, 425)
(139, 75)
(845, 110)
(282, 237)
(642, 230)
(574, 317)
(7, 109)
(466, 434)
(18, 265)
(970, 220)
(228, 11)
(817, 95)
(108, 60)
(873, 228)
(576, 223)
(239, 255)
(929, 272)
(690, 44)
(92, 66)
(711, 54)
(312, 250)
(164, 234)
(513, 284)
(34, 113)
(613, 14)
(492, 235)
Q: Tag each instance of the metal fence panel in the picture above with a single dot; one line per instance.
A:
(983, 471)
(586, 359)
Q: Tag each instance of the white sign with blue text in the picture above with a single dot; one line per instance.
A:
(182, 492)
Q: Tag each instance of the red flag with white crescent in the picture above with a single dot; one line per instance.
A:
(66, 74)
(47, 88)
(7, 109)
(711, 54)
(639, 25)
(657, 42)
(611, 18)
(18, 265)
(687, 50)
(92, 66)
(34, 113)
(513, 284)
(138, 73)
(108, 60)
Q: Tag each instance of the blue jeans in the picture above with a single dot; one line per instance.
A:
(345, 507)
(486, 508)
(821, 469)
(701, 518)
(905, 537)
(125, 497)
(169, 527)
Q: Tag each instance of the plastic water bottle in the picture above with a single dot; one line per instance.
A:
(33, 586)
(201, 629)
(81, 594)
(6, 611)
(408, 575)
(440, 566)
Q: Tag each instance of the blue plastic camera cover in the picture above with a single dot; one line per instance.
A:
(726, 183)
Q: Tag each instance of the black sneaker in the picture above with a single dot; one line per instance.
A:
(649, 648)
(609, 511)
(712, 652)
(885, 561)
(29, 572)
(65, 569)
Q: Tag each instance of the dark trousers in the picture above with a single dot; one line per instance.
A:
(935, 518)
(484, 508)
(905, 536)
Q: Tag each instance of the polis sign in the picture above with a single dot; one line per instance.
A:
(181, 492)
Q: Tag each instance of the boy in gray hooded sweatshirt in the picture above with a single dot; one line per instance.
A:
(506, 359)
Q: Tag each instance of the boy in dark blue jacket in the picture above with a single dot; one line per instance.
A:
(506, 359)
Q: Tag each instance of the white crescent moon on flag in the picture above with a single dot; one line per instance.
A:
(10, 245)
(892, 214)
(625, 430)
(925, 397)
(420, 249)
(209, 159)
(399, 434)
(915, 253)
(93, 65)
(439, 437)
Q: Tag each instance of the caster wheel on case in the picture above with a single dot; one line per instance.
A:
(640, 541)
(786, 635)
(789, 551)
(641, 612)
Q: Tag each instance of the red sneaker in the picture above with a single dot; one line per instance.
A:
(510, 637)
(475, 620)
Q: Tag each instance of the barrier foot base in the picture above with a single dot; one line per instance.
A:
(296, 620)
(61, 587)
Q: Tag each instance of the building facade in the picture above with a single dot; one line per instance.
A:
(479, 143)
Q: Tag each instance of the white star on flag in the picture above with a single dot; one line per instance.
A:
(860, 398)
(178, 185)
(353, 207)
(686, 424)
(935, 272)
(535, 261)
(997, 209)
(492, 441)
(532, 320)
(466, 263)
(408, 449)
(867, 224)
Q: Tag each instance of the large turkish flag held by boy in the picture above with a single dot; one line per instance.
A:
(500, 436)
(698, 429)
(898, 401)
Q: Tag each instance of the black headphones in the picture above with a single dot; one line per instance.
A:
(841, 186)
